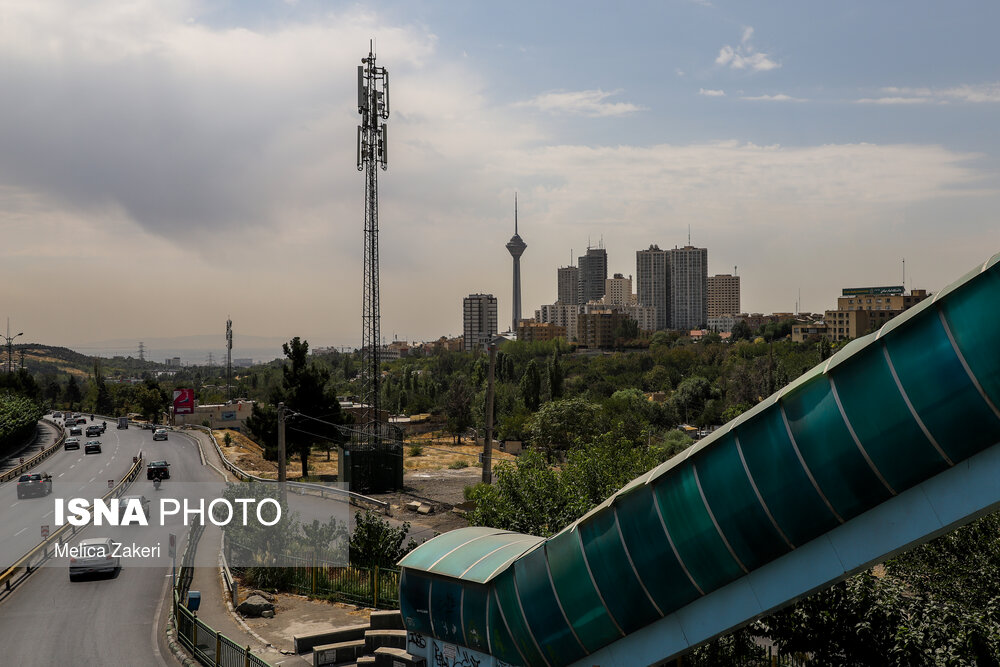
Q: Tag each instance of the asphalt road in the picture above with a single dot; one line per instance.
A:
(49, 620)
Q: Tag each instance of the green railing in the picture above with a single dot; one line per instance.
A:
(209, 647)
(376, 587)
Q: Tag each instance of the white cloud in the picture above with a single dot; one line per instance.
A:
(590, 103)
(780, 97)
(984, 93)
(745, 56)
(711, 93)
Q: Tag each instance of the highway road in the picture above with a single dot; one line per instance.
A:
(74, 474)
(49, 620)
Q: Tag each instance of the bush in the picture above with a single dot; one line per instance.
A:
(415, 450)
(458, 465)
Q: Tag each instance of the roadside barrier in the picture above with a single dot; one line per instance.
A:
(299, 487)
(37, 458)
(31, 561)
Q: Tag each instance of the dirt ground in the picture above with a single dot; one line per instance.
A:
(437, 476)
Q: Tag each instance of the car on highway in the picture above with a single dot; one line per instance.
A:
(71, 443)
(57, 415)
(93, 430)
(158, 470)
(79, 418)
(75, 430)
(142, 500)
(93, 555)
(34, 484)
(92, 447)
(160, 434)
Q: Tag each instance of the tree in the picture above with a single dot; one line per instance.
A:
(102, 403)
(377, 543)
(458, 407)
(304, 387)
(741, 331)
(555, 377)
(559, 424)
(73, 395)
(531, 386)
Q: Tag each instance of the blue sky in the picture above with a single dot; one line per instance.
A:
(203, 151)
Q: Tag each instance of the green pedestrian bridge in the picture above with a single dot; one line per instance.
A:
(887, 444)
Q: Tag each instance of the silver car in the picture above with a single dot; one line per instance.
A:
(93, 555)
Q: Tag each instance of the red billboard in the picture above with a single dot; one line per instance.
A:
(183, 401)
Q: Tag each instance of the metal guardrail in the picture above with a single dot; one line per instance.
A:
(303, 486)
(38, 555)
(209, 647)
(37, 458)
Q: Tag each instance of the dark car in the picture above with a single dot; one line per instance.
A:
(71, 443)
(92, 447)
(34, 484)
(158, 470)
(94, 430)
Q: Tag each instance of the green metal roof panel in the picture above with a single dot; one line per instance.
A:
(475, 554)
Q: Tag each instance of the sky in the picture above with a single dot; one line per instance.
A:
(168, 164)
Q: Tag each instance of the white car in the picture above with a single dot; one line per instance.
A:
(93, 555)
(160, 434)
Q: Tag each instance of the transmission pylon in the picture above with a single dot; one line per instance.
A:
(142, 351)
(373, 105)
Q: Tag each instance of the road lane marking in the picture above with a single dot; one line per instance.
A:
(61, 474)
(20, 531)
(92, 479)
(73, 466)
(49, 512)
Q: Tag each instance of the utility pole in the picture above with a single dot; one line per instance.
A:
(488, 442)
(281, 450)
(373, 105)
(10, 346)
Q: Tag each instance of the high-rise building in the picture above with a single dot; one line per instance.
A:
(516, 247)
(480, 320)
(560, 314)
(688, 280)
(568, 286)
(651, 285)
(593, 272)
(618, 290)
(723, 295)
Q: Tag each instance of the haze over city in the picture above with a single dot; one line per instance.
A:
(167, 165)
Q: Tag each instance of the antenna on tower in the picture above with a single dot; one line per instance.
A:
(372, 150)
(904, 274)
(515, 214)
(689, 234)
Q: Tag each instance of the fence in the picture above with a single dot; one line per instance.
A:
(376, 587)
(209, 647)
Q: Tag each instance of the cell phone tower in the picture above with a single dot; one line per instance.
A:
(373, 105)
(229, 359)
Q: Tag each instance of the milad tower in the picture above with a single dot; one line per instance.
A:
(516, 247)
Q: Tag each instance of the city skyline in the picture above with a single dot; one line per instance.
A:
(201, 164)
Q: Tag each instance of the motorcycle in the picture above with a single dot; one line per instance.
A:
(156, 483)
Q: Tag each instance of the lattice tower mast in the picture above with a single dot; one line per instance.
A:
(229, 359)
(373, 105)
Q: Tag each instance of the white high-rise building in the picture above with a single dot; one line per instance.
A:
(688, 280)
(562, 314)
(652, 287)
(618, 290)
(479, 320)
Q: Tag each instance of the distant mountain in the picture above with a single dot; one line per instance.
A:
(192, 350)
